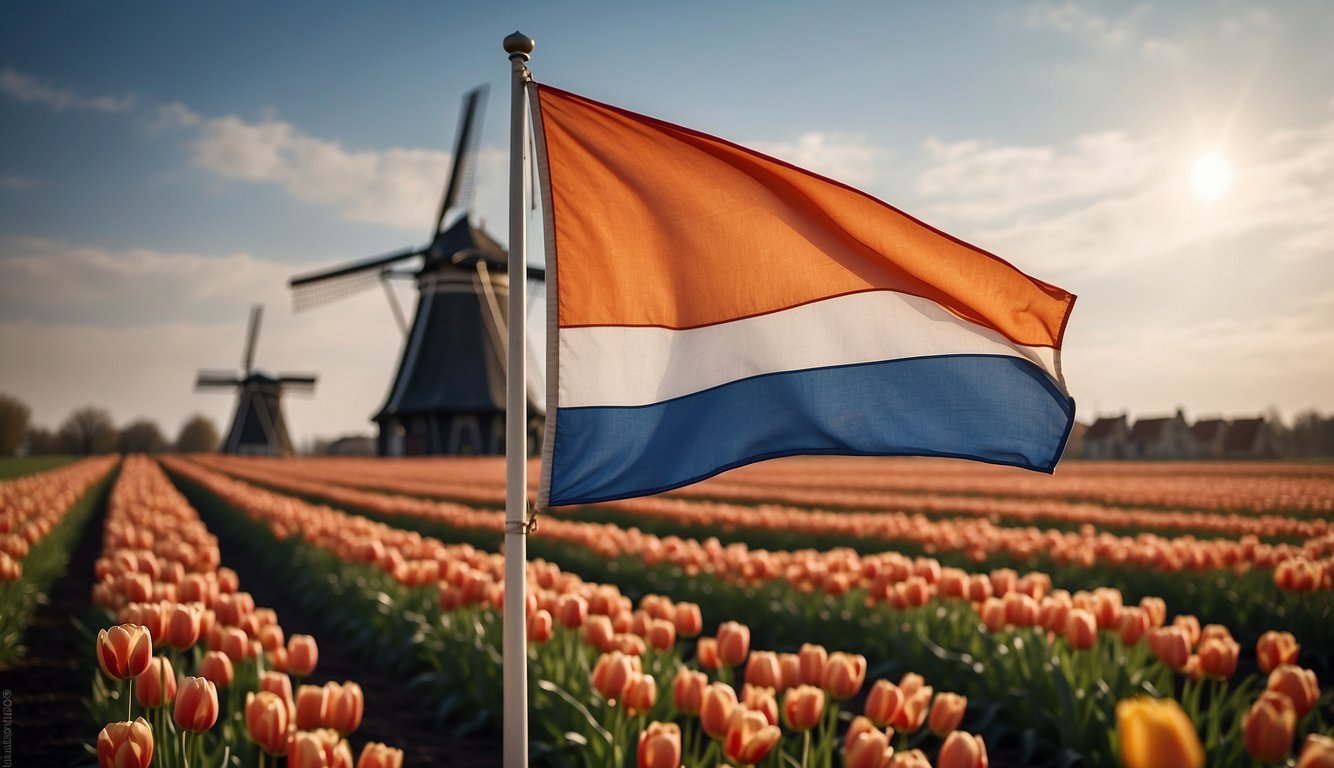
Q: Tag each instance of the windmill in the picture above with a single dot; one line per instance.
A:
(448, 395)
(258, 426)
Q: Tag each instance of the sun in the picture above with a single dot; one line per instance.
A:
(1211, 176)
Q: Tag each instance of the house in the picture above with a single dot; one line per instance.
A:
(1209, 435)
(1163, 438)
(1106, 438)
(1074, 447)
(1250, 439)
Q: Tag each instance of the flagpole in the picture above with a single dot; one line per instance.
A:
(518, 46)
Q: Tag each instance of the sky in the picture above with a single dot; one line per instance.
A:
(165, 165)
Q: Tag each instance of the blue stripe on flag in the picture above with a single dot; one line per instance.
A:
(997, 409)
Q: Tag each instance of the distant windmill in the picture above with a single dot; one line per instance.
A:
(258, 426)
(448, 396)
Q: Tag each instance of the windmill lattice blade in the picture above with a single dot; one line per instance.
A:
(537, 273)
(315, 288)
(252, 337)
(210, 381)
(298, 383)
(460, 175)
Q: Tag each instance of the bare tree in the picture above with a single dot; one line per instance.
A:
(142, 436)
(87, 431)
(198, 435)
(13, 423)
(41, 441)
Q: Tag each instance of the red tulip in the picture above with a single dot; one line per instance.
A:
(125, 745)
(660, 746)
(196, 704)
(124, 651)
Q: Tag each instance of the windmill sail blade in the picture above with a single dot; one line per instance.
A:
(460, 176)
(315, 288)
(211, 380)
(252, 336)
(298, 383)
(537, 273)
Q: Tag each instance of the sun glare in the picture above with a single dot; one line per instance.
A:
(1211, 176)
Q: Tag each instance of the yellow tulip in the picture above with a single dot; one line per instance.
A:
(1156, 732)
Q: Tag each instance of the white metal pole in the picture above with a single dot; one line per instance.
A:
(518, 46)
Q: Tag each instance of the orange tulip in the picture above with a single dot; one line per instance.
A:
(571, 611)
(913, 712)
(302, 655)
(1171, 645)
(1156, 732)
(1268, 727)
(641, 693)
(312, 706)
(706, 651)
(1218, 656)
(156, 685)
(962, 750)
(235, 643)
(539, 626)
(346, 705)
(661, 634)
(266, 721)
(217, 667)
(868, 749)
(946, 713)
(1274, 649)
(1190, 625)
(377, 755)
(1081, 629)
(733, 643)
(279, 684)
(598, 632)
(1317, 752)
(763, 669)
(843, 675)
(992, 611)
(913, 758)
(1134, 624)
(689, 622)
(1297, 684)
(716, 711)
(760, 699)
(884, 702)
(910, 683)
(660, 746)
(749, 737)
(688, 690)
(125, 745)
(196, 704)
(611, 675)
(307, 750)
(182, 625)
(790, 666)
(124, 651)
(802, 707)
(812, 660)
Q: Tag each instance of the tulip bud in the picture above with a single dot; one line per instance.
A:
(812, 660)
(733, 643)
(868, 749)
(196, 704)
(688, 690)
(760, 699)
(915, 707)
(539, 626)
(611, 675)
(1081, 629)
(789, 664)
(571, 611)
(661, 634)
(913, 758)
(1268, 727)
(377, 755)
(883, 703)
(946, 713)
(1318, 752)
(706, 651)
(266, 721)
(1156, 732)
(598, 632)
(182, 625)
(1297, 684)
(762, 669)
(312, 706)
(302, 655)
(1274, 649)
(749, 737)
(1218, 657)
(660, 746)
(345, 707)
(803, 707)
(689, 622)
(217, 668)
(124, 651)
(962, 750)
(125, 745)
(716, 710)
(641, 693)
(156, 685)
(843, 675)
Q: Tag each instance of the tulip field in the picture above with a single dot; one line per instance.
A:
(804, 612)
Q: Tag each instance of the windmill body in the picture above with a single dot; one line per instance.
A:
(258, 426)
(448, 394)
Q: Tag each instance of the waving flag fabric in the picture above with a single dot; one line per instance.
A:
(714, 306)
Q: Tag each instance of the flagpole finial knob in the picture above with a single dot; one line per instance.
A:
(519, 44)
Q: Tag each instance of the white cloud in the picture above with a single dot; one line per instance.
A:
(396, 187)
(1084, 24)
(27, 88)
(849, 159)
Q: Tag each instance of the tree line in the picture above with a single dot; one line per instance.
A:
(90, 430)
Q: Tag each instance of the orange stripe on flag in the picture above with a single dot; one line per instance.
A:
(659, 225)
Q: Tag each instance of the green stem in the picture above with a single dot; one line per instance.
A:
(805, 746)
(129, 701)
(184, 755)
